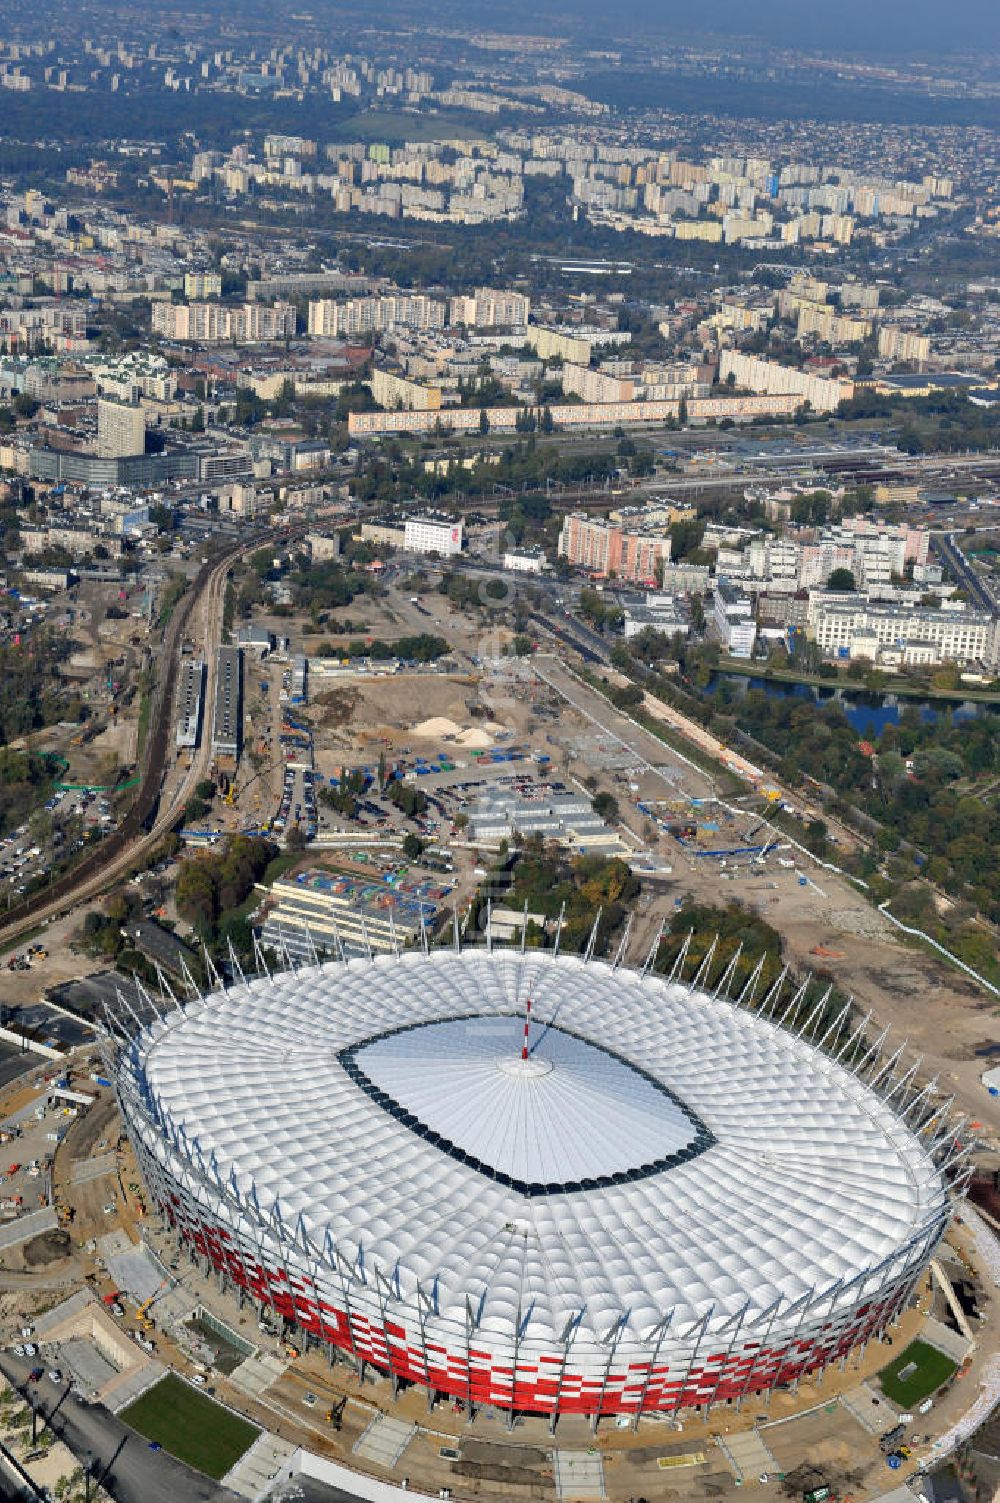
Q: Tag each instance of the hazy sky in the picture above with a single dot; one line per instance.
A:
(840, 25)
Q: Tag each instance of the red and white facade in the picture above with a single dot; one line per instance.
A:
(670, 1202)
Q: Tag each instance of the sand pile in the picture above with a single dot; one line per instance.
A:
(439, 728)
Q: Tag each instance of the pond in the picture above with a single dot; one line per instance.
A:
(867, 711)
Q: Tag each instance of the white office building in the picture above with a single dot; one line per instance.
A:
(734, 620)
(910, 636)
(433, 535)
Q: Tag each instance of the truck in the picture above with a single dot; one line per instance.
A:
(890, 1440)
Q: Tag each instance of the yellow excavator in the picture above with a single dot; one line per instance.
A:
(141, 1310)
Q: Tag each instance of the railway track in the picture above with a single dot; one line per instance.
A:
(145, 823)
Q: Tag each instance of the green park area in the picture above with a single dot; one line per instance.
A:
(191, 1426)
(915, 1374)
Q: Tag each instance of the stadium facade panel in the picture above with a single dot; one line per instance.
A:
(641, 1197)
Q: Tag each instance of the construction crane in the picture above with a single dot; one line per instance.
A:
(335, 1416)
(141, 1310)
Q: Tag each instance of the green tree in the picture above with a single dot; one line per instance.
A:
(606, 805)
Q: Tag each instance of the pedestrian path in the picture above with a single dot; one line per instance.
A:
(257, 1468)
(979, 1411)
(384, 1440)
(579, 1474)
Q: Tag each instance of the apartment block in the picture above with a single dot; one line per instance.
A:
(488, 308)
(606, 550)
(329, 318)
(910, 636)
(823, 393)
(734, 619)
(214, 323)
(396, 393)
(199, 285)
(903, 344)
(121, 430)
(594, 386)
(433, 535)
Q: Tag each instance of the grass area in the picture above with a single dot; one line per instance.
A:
(280, 865)
(932, 1368)
(191, 1426)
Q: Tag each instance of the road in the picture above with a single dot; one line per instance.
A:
(139, 1475)
(958, 565)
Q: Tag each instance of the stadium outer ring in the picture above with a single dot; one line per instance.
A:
(331, 1303)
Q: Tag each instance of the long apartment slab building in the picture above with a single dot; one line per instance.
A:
(218, 323)
(227, 725)
(770, 378)
(190, 705)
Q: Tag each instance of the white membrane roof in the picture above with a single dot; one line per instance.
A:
(659, 1150)
(568, 1113)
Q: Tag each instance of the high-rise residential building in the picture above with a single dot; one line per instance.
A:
(823, 393)
(903, 344)
(365, 315)
(121, 430)
(734, 619)
(489, 308)
(396, 393)
(214, 323)
(594, 386)
(202, 284)
(607, 549)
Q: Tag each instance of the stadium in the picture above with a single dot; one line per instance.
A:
(549, 1185)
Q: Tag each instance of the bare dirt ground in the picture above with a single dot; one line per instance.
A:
(362, 710)
(948, 1020)
(47, 1248)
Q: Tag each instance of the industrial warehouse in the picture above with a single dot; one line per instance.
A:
(542, 1183)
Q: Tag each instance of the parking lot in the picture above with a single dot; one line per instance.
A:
(28, 1141)
(27, 853)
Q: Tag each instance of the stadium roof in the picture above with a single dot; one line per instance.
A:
(659, 1150)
